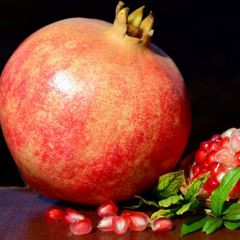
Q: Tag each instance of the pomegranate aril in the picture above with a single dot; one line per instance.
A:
(138, 220)
(161, 225)
(72, 216)
(82, 227)
(107, 209)
(216, 168)
(214, 146)
(120, 224)
(204, 146)
(237, 159)
(201, 172)
(216, 137)
(105, 224)
(211, 184)
(53, 214)
(235, 141)
(200, 156)
(235, 193)
(225, 142)
(210, 157)
(195, 169)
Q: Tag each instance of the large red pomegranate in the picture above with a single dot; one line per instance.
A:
(93, 111)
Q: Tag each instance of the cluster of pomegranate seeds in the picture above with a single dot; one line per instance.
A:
(110, 221)
(78, 223)
(218, 156)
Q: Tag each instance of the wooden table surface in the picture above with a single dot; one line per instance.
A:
(21, 218)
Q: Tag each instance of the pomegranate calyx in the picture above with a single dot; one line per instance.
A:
(132, 26)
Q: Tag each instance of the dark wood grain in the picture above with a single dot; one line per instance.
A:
(21, 218)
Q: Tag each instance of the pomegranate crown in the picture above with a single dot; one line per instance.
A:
(133, 25)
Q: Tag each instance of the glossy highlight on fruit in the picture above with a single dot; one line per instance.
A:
(218, 156)
(93, 111)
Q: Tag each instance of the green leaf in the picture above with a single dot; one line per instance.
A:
(194, 224)
(147, 202)
(167, 202)
(141, 202)
(169, 184)
(231, 225)
(212, 225)
(184, 208)
(220, 194)
(232, 215)
(195, 187)
(164, 212)
(232, 207)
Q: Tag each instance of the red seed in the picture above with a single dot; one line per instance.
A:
(216, 168)
(216, 137)
(237, 158)
(210, 157)
(161, 225)
(120, 224)
(211, 184)
(72, 216)
(82, 227)
(107, 209)
(200, 156)
(200, 173)
(105, 224)
(204, 146)
(138, 220)
(214, 146)
(195, 169)
(225, 141)
(235, 193)
(53, 214)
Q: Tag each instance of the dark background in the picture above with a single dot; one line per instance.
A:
(202, 38)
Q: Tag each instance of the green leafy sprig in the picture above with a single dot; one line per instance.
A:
(173, 197)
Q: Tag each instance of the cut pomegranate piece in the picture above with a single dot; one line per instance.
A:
(53, 214)
(218, 156)
(107, 209)
(82, 227)
(105, 224)
(72, 216)
(162, 225)
(120, 224)
(138, 220)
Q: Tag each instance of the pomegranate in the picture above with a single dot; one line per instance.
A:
(93, 111)
(218, 156)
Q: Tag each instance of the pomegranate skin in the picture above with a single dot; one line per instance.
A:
(89, 117)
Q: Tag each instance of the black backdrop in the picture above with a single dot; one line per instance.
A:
(202, 38)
